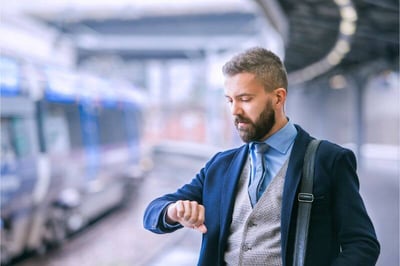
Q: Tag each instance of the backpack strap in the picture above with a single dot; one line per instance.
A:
(305, 198)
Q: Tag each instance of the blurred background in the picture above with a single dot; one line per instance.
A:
(108, 104)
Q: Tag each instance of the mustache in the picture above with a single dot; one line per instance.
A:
(241, 119)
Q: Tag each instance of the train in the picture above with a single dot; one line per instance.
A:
(71, 150)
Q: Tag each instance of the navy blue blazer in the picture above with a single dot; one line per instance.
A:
(340, 233)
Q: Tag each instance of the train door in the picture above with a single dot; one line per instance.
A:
(18, 171)
(64, 146)
(57, 147)
(18, 174)
(60, 123)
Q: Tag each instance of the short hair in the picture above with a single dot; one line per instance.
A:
(264, 64)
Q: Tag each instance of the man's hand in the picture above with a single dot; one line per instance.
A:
(187, 213)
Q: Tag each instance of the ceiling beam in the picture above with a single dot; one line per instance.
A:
(162, 43)
(276, 16)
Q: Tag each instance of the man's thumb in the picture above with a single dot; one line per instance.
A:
(202, 228)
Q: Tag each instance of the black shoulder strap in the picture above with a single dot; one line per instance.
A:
(305, 198)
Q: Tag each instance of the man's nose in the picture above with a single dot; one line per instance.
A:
(236, 109)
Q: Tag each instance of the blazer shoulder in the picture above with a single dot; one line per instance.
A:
(326, 147)
(227, 155)
(330, 153)
(332, 148)
(230, 153)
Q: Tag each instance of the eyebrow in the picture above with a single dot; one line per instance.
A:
(240, 95)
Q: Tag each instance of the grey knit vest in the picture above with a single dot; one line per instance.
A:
(255, 233)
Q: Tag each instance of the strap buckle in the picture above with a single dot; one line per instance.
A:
(305, 197)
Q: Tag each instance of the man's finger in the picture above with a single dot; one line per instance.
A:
(200, 215)
(180, 209)
(202, 228)
(194, 216)
(188, 210)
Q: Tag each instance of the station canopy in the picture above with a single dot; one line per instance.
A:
(318, 35)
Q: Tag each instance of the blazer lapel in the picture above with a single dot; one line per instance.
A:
(292, 181)
(229, 184)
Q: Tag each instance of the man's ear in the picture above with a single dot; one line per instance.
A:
(280, 98)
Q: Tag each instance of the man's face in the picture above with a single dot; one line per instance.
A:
(251, 106)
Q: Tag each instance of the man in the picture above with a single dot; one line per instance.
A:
(249, 218)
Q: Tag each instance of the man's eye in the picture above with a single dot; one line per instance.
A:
(245, 99)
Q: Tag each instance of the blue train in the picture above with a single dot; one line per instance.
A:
(70, 149)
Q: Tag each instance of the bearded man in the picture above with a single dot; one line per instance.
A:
(244, 201)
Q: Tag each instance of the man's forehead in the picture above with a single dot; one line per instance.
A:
(242, 84)
(243, 76)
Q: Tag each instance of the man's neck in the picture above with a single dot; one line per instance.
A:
(279, 124)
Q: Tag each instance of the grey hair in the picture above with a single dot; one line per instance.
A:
(264, 64)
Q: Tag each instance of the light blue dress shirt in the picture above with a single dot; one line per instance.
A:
(280, 146)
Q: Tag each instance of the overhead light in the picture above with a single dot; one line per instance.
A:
(342, 2)
(348, 13)
(338, 82)
(342, 46)
(347, 27)
(334, 58)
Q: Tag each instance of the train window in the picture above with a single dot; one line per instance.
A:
(133, 120)
(112, 126)
(15, 141)
(56, 131)
(74, 126)
(8, 154)
(62, 128)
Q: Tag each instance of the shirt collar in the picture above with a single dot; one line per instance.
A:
(283, 138)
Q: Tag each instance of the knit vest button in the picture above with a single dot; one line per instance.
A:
(252, 224)
(246, 247)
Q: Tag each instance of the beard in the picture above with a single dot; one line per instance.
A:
(258, 129)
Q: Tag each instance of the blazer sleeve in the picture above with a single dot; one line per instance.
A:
(155, 211)
(358, 242)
